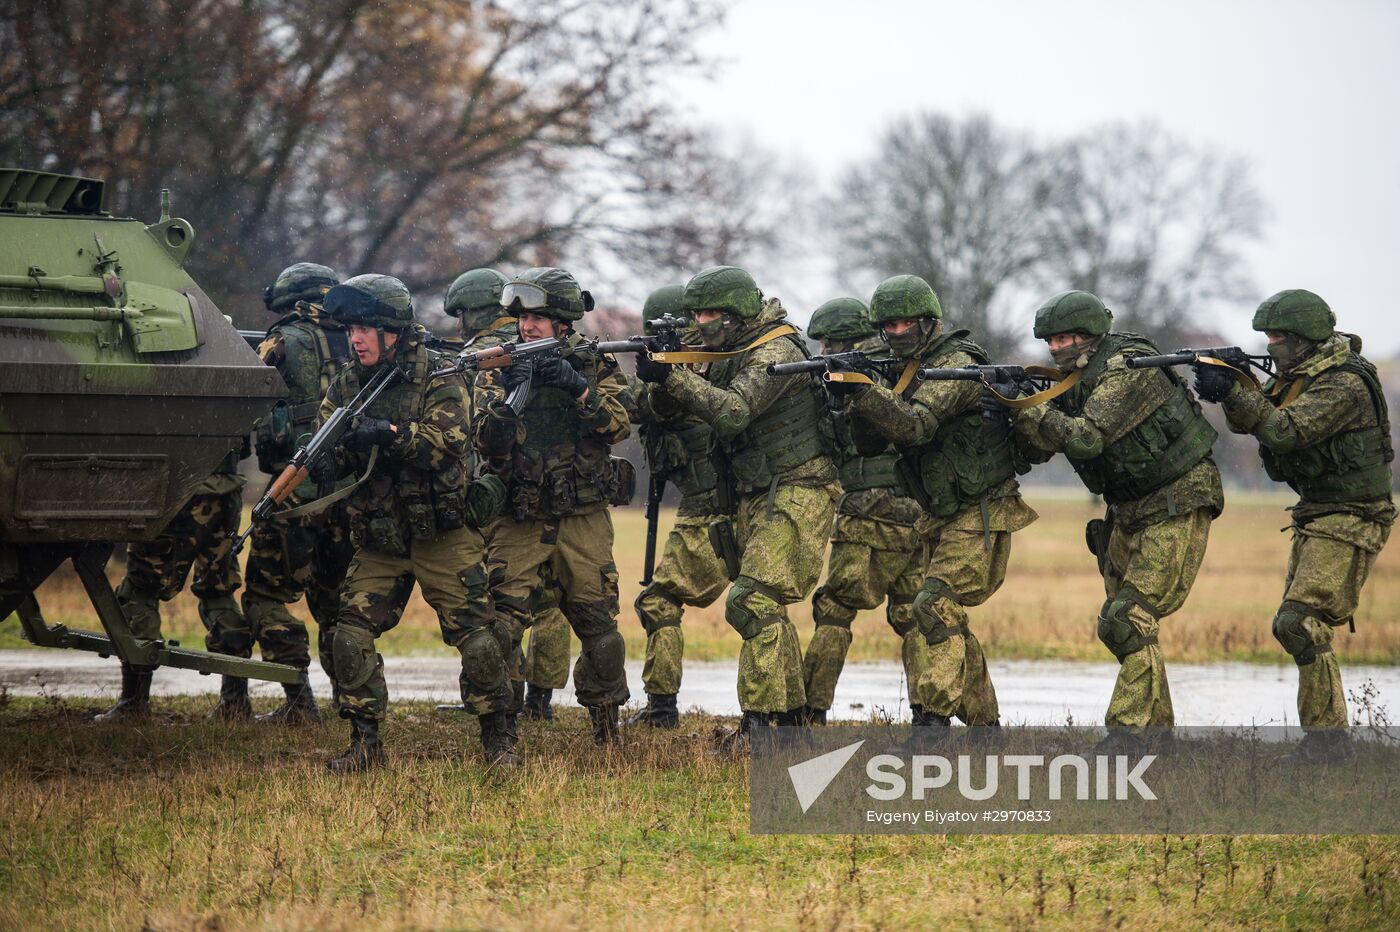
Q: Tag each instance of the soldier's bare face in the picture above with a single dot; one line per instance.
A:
(365, 342)
(537, 326)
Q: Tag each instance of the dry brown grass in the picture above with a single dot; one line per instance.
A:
(1045, 609)
(188, 825)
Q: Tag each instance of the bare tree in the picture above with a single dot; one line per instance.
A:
(419, 138)
(1151, 224)
(960, 203)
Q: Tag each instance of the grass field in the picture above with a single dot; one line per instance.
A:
(185, 825)
(1046, 608)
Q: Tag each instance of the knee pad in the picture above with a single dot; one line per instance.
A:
(930, 622)
(483, 661)
(825, 618)
(355, 658)
(894, 608)
(740, 614)
(1117, 631)
(608, 655)
(1292, 633)
(652, 623)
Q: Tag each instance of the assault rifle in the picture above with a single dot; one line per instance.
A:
(1232, 356)
(321, 445)
(854, 361)
(501, 356)
(989, 375)
(656, 488)
(659, 335)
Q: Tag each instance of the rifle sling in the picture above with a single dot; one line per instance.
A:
(911, 368)
(681, 357)
(1063, 383)
(319, 505)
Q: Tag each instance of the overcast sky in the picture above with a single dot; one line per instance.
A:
(1307, 92)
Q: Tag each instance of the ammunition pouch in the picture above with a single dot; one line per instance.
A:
(382, 533)
(1097, 534)
(622, 481)
(275, 441)
(484, 500)
(859, 473)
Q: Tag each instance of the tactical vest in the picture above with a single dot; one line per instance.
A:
(313, 354)
(683, 455)
(793, 431)
(967, 456)
(403, 501)
(1163, 448)
(561, 466)
(1351, 466)
(859, 473)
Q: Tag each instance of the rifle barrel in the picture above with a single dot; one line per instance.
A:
(797, 368)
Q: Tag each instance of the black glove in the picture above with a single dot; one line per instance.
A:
(1213, 383)
(369, 433)
(559, 373)
(1235, 357)
(516, 374)
(648, 370)
(323, 472)
(992, 409)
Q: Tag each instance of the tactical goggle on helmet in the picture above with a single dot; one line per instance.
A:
(528, 297)
(350, 305)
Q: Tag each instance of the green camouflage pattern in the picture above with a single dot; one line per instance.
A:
(426, 467)
(300, 281)
(475, 294)
(873, 561)
(743, 391)
(1328, 563)
(723, 288)
(498, 330)
(453, 577)
(1072, 312)
(554, 458)
(901, 297)
(571, 557)
(781, 545)
(678, 445)
(688, 573)
(668, 299)
(559, 284)
(547, 655)
(1335, 543)
(1296, 310)
(841, 319)
(392, 306)
(967, 557)
(1124, 430)
(1332, 443)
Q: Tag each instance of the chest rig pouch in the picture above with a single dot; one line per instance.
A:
(561, 467)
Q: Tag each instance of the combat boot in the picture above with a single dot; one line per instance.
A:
(1320, 747)
(299, 708)
(366, 751)
(659, 712)
(233, 701)
(134, 705)
(537, 705)
(927, 731)
(498, 737)
(811, 716)
(1121, 742)
(605, 727)
(734, 742)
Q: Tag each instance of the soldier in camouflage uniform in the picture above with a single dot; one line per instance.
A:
(415, 518)
(1324, 428)
(554, 458)
(679, 448)
(777, 488)
(296, 555)
(200, 536)
(877, 549)
(474, 298)
(960, 468)
(1138, 438)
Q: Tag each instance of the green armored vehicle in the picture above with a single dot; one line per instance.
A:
(122, 386)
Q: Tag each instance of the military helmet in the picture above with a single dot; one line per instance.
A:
(901, 297)
(1072, 312)
(665, 300)
(371, 301)
(477, 290)
(723, 288)
(841, 319)
(1296, 311)
(547, 291)
(302, 281)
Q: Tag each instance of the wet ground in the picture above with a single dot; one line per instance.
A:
(1030, 691)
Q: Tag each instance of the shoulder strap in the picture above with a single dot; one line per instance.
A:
(691, 356)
